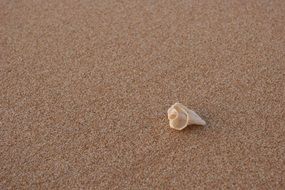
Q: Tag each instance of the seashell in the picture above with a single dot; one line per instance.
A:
(180, 117)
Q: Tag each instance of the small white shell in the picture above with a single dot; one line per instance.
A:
(180, 117)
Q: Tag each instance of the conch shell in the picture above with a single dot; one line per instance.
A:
(180, 117)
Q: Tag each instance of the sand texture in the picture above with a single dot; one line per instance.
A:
(85, 87)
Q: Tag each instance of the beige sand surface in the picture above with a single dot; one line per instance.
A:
(85, 87)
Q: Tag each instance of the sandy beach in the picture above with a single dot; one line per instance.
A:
(85, 87)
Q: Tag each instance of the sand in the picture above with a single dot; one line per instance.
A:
(85, 87)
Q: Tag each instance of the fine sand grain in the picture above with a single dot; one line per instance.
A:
(85, 87)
